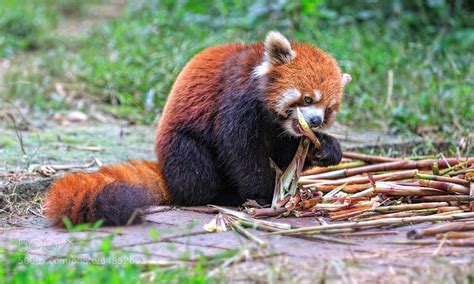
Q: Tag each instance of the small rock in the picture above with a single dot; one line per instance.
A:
(76, 116)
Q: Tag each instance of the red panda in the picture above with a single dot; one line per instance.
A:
(230, 110)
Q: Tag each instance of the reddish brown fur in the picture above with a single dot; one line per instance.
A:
(74, 192)
(195, 96)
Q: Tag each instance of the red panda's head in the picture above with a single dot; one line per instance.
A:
(301, 75)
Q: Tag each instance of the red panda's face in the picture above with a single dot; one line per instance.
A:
(301, 76)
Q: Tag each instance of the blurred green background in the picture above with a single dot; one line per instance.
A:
(125, 56)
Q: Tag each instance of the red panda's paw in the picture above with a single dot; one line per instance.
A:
(329, 154)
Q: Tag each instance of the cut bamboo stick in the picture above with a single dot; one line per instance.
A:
(415, 206)
(465, 198)
(318, 170)
(449, 209)
(455, 235)
(443, 178)
(352, 188)
(266, 212)
(446, 186)
(347, 213)
(375, 223)
(439, 229)
(306, 204)
(307, 182)
(402, 214)
(398, 190)
(368, 158)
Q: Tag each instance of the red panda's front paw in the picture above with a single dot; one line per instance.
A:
(329, 154)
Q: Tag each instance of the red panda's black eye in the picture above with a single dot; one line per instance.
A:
(308, 100)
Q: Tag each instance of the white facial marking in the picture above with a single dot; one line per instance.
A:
(317, 96)
(288, 98)
(332, 102)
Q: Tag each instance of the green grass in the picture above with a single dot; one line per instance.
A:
(131, 63)
(15, 267)
(108, 265)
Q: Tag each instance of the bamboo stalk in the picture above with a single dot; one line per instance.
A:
(455, 243)
(442, 178)
(415, 206)
(449, 209)
(345, 199)
(244, 216)
(306, 204)
(266, 212)
(403, 214)
(455, 235)
(318, 170)
(287, 182)
(334, 192)
(449, 213)
(445, 198)
(378, 223)
(453, 168)
(358, 180)
(347, 213)
(369, 192)
(398, 190)
(246, 234)
(446, 186)
(367, 158)
(368, 234)
(256, 226)
(439, 229)
(352, 188)
(303, 214)
(470, 170)
(417, 158)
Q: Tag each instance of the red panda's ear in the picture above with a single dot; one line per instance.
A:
(346, 79)
(277, 49)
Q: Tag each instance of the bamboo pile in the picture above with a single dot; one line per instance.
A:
(365, 192)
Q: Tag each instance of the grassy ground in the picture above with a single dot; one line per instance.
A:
(131, 63)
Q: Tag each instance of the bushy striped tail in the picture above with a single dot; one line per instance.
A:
(111, 194)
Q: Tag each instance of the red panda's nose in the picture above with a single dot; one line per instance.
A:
(315, 121)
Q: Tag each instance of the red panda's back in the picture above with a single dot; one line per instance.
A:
(197, 93)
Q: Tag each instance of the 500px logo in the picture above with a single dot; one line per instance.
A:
(41, 245)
